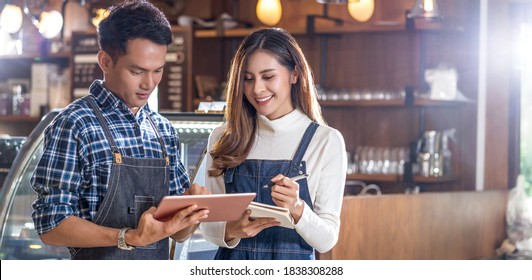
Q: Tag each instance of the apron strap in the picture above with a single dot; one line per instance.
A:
(161, 141)
(117, 156)
(107, 132)
(305, 141)
(228, 175)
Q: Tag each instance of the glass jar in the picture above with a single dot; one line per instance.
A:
(6, 104)
(17, 99)
(24, 105)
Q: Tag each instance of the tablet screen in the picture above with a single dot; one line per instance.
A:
(222, 207)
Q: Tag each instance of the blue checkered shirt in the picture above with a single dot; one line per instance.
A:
(72, 175)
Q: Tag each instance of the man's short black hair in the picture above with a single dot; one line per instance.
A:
(132, 20)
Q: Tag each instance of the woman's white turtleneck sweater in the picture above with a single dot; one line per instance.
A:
(326, 163)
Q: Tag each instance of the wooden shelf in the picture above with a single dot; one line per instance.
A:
(234, 33)
(435, 180)
(19, 119)
(363, 28)
(37, 57)
(324, 29)
(398, 178)
(363, 103)
(20, 56)
(374, 177)
(60, 54)
(419, 101)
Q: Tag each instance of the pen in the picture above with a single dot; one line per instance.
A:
(295, 178)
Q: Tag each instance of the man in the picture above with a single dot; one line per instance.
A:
(108, 159)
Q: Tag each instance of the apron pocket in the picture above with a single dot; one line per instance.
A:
(143, 203)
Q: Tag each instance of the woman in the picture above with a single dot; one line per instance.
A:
(275, 131)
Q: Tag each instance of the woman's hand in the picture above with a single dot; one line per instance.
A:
(196, 189)
(246, 227)
(285, 193)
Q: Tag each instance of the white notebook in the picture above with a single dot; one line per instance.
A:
(281, 214)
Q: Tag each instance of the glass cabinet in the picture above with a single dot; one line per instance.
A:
(18, 239)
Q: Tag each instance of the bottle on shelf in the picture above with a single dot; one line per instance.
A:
(20, 100)
(5, 104)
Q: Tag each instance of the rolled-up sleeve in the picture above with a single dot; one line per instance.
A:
(56, 177)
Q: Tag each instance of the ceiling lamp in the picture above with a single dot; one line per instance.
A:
(332, 1)
(11, 18)
(425, 9)
(99, 15)
(49, 23)
(361, 10)
(269, 11)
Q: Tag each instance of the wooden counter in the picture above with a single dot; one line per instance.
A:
(447, 225)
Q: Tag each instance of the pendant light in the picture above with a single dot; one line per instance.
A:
(425, 9)
(269, 11)
(332, 1)
(361, 10)
(48, 22)
(11, 18)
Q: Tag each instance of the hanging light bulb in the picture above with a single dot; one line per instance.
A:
(50, 24)
(100, 14)
(332, 1)
(361, 10)
(269, 11)
(427, 9)
(11, 18)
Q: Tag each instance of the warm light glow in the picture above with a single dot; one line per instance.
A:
(11, 18)
(361, 10)
(428, 5)
(35, 246)
(426, 9)
(101, 14)
(269, 11)
(50, 24)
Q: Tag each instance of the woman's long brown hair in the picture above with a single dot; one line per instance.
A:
(237, 140)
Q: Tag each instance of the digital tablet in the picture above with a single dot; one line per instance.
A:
(222, 207)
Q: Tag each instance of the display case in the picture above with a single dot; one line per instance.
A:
(18, 239)
(9, 148)
(194, 130)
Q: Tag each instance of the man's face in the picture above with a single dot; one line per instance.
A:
(134, 76)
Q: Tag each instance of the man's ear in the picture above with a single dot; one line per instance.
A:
(105, 61)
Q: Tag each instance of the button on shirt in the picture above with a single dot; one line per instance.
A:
(72, 175)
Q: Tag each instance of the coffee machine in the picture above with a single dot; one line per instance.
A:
(432, 153)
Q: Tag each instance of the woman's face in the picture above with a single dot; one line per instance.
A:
(267, 85)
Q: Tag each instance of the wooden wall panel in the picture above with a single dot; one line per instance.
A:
(379, 61)
(497, 96)
(452, 225)
(374, 61)
(363, 126)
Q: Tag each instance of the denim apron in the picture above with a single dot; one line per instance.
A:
(274, 243)
(135, 184)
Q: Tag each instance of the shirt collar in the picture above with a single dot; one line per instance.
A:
(107, 100)
(282, 124)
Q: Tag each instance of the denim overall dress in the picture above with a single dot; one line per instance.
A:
(274, 243)
(135, 184)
